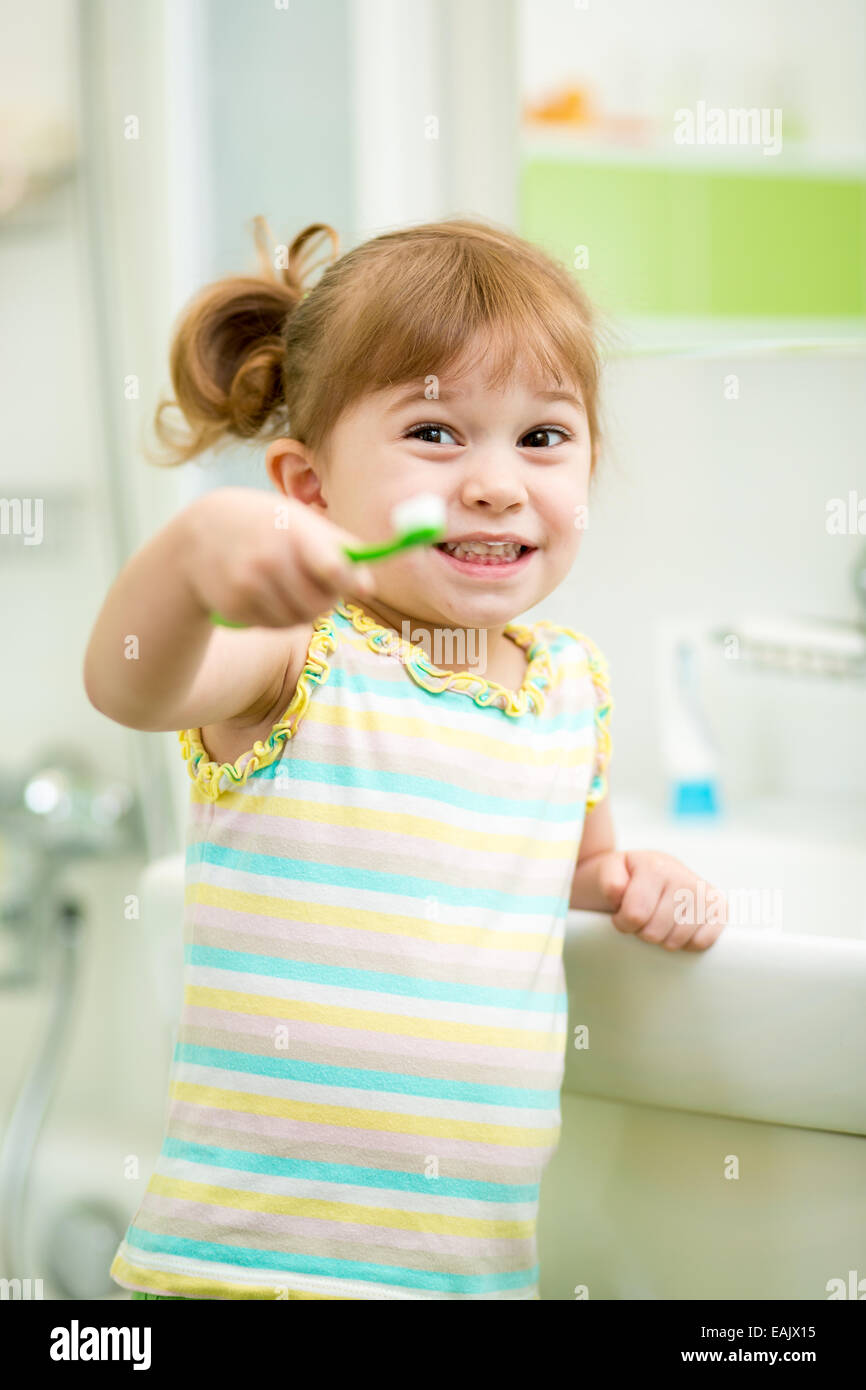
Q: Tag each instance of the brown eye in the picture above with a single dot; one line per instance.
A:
(547, 429)
(416, 430)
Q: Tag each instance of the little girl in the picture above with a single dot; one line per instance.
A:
(397, 790)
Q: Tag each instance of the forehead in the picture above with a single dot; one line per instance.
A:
(472, 385)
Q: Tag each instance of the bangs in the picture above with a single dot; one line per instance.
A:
(498, 323)
(444, 299)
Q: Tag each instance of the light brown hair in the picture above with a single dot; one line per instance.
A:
(258, 357)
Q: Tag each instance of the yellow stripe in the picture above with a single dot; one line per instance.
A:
(402, 823)
(238, 1199)
(199, 1286)
(467, 740)
(362, 919)
(391, 1121)
(300, 1011)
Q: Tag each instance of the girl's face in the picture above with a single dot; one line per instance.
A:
(513, 463)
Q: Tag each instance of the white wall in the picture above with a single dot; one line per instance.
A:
(715, 508)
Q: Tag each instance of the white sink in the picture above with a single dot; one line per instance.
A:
(769, 1023)
(712, 1141)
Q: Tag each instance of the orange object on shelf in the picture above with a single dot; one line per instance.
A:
(569, 106)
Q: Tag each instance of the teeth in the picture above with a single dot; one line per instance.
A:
(506, 550)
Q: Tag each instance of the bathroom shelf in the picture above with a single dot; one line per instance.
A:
(777, 251)
(793, 652)
(719, 339)
(576, 145)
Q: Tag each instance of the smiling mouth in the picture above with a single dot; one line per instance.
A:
(489, 556)
(478, 560)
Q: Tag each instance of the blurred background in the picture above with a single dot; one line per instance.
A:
(700, 167)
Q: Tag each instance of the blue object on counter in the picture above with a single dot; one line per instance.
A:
(694, 799)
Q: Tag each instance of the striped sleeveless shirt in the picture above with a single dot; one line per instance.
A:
(365, 1087)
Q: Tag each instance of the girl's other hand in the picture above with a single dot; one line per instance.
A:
(664, 902)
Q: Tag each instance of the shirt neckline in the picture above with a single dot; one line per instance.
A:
(435, 679)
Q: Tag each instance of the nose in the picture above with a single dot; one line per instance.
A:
(492, 479)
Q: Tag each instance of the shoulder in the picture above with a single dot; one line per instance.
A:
(562, 639)
(594, 680)
(578, 658)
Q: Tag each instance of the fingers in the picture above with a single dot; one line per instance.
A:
(710, 931)
(651, 906)
(328, 570)
(613, 879)
(639, 904)
(306, 594)
(704, 937)
(288, 601)
(311, 584)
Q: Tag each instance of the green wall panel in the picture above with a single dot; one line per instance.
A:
(684, 241)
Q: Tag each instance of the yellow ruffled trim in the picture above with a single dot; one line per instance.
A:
(208, 775)
(484, 692)
(604, 704)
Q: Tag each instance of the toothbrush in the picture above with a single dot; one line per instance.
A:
(416, 521)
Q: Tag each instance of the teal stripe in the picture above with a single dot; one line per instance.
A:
(269, 1261)
(358, 683)
(410, 784)
(377, 881)
(274, 1165)
(288, 1069)
(376, 981)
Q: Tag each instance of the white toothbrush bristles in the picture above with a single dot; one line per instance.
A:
(418, 512)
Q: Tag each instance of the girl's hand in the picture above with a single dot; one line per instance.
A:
(660, 900)
(266, 560)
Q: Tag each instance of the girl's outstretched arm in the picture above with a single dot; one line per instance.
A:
(155, 661)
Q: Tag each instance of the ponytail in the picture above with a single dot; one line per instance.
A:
(227, 352)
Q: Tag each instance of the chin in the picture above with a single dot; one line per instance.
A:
(489, 610)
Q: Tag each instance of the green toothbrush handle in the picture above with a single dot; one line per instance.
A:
(220, 621)
(369, 552)
(379, 552)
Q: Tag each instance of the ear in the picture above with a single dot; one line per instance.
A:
(290, 468)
